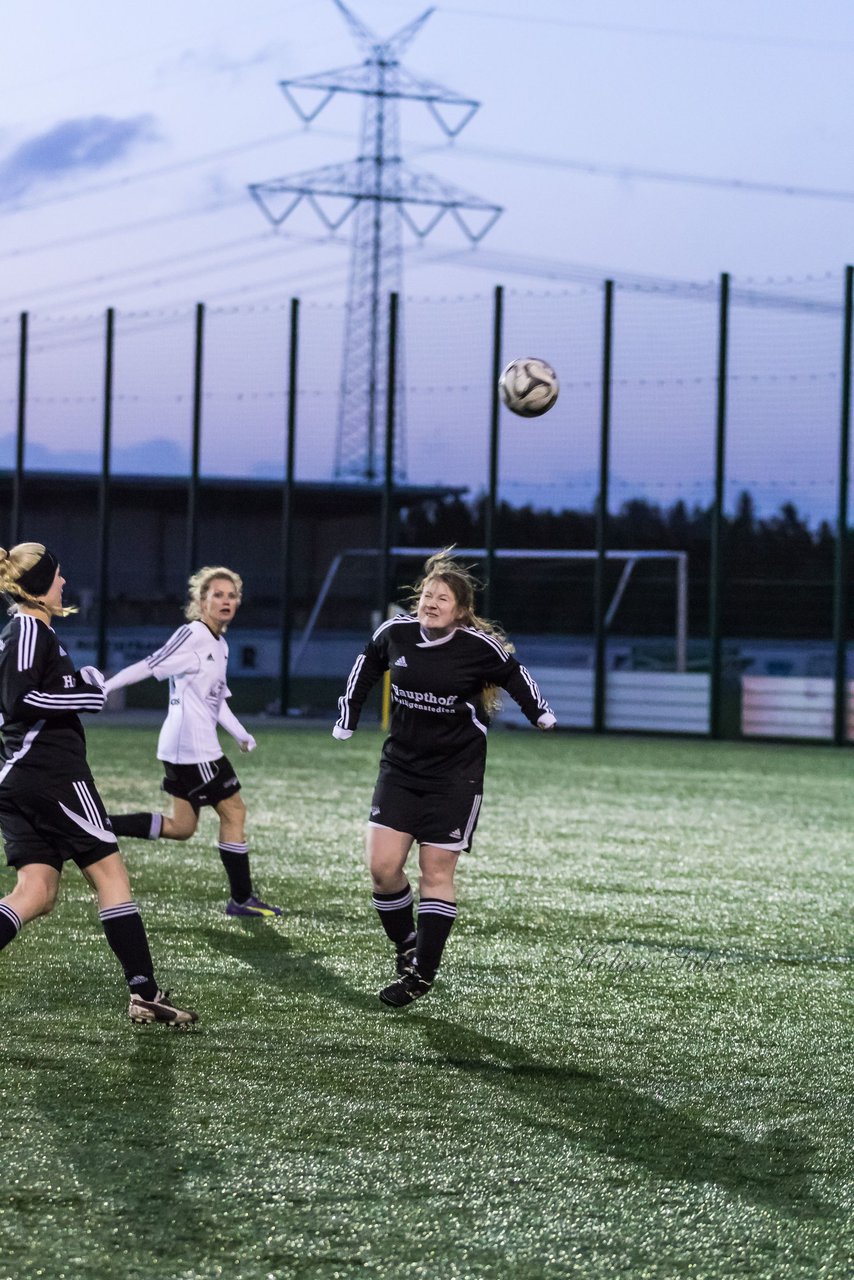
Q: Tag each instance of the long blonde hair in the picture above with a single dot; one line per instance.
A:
(199, 585)
(15, 563)
(442, 567)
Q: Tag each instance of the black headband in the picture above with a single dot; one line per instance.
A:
(38, 579)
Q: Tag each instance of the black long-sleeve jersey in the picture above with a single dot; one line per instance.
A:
(438, 724)
(41, 695)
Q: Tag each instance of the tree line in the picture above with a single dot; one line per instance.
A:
(777, 571)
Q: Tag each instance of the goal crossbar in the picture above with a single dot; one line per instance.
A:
(629, 558)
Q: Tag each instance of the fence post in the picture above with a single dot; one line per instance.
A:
(287, 610)
(196, 444)
(600, 638)
(716, 530)
(387, 506)
(494, 418)
(104, 493)
(18, 480)
(840, 584)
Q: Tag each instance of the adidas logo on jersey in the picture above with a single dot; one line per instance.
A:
(456, 834)
(400, 662)
(210, 657)
(374, 810)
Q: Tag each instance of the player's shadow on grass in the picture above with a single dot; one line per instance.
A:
(616, 1121)
(269, 953)
(582, 1106)
(127, 1147)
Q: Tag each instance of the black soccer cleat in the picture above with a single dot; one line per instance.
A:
(404, 960)
(161, 1009)
(411, 986)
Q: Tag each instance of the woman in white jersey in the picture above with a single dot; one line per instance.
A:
(194, 660)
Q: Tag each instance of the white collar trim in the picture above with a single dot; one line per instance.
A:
(426, 643)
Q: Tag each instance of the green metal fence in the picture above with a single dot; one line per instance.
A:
(709, 422)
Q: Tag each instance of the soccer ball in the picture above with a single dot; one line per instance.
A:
(528, 386)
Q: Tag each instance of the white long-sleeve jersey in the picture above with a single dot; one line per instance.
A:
(194, 661)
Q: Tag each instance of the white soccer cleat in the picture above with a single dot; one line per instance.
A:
(160, 1009)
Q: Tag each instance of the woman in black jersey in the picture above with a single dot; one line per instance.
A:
(50, 810)
(446, 666)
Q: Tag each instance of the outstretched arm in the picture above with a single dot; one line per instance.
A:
(129, 675)
(175, 657)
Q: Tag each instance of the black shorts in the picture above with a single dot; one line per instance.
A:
(445, 819)
(66, 822)
(201, 784)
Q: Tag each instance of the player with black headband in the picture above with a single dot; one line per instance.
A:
(194, 660)
(446, 667)
(50, 810)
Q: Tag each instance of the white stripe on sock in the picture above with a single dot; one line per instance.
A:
(434, 907)
(393, 904)
(123, 909)
(12, 916)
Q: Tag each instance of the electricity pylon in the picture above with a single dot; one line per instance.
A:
(385, 194)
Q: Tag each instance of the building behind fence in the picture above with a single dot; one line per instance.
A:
(709, 423)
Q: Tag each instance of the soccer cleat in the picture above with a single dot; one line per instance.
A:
(160, 1009)
(404, 960)
(251, 907)
(411, 986)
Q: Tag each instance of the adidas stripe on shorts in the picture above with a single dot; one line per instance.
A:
(65, 822)
(201, 784)
(446, 819)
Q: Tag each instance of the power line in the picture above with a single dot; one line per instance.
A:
(141, 224)
(596, 168)
(146, 175)
(86, 71)
(145, 224)
(682, 33)
(498, 263)
(135, 268)
(272, 249)
(65, 330)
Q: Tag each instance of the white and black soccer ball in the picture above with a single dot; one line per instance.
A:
(529, 386)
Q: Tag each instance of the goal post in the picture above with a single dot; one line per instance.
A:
(629, 558)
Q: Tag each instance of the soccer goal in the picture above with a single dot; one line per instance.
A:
(629, 559)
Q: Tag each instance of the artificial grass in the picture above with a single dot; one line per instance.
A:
(636, 1061)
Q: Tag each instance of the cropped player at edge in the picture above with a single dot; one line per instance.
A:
(50, 810)
(446, 666)
(194, 660)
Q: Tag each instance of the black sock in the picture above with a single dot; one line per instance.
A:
(126, 935)
(235, 859)
(142, 826)
(11, 925)
(395, 912)
(435, 921)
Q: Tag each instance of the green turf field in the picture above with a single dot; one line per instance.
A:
(636, 1062)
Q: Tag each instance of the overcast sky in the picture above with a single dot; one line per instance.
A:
(647, 140)
(652, 137)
